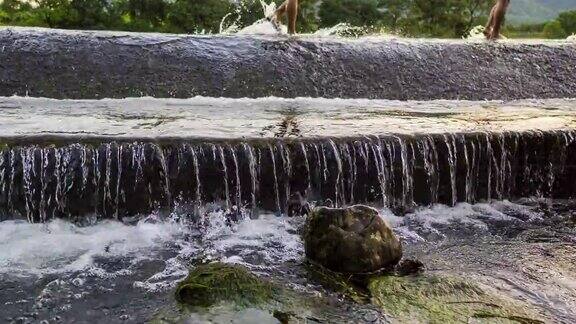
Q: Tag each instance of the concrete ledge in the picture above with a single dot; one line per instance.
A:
(73, 178)
(70, 64)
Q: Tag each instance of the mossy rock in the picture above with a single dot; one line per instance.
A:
(443, 299)
(351, 240)
(212, 283)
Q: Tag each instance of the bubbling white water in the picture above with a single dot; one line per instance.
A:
(64, 249)
(431, 223)
(60, 246)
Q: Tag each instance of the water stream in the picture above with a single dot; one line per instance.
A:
(104, 204)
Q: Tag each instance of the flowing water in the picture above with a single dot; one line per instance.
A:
(114, 272)
(105, 204)
(120, 158)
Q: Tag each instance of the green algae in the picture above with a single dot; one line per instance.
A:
(443, 299)
(210, 284)
(347, 285)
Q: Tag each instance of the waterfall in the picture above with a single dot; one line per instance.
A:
(121, 179)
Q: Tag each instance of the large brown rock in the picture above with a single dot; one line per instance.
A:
(351, 240)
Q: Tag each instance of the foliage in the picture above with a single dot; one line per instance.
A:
(561, 27)
(198, 15)
(354, 12)
(434, 18)
(553, 29)
(445, 18)
(567, 20)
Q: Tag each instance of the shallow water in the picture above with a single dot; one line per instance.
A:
(203, 117)
(112, 272)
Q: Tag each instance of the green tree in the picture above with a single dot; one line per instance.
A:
(567, 20)
(89, 14)
(445, 18)
(191, 16)
(394, 13)
(55, 13)
(143, 15)
(354, 12)
(553, 29)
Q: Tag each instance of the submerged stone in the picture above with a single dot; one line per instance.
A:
(408, 267)
(210, 284)
(351, 240)
(297, 205)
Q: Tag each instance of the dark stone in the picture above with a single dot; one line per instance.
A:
(297, 205)
(72, 64)
(351, 240)
(282, 317)
(408, 267)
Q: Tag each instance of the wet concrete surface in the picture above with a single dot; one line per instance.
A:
(73, 64)
(265, 118)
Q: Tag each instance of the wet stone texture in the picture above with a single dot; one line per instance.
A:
(68, 64)
(351, 240)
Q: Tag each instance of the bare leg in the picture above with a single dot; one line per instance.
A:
(292, 15)
(499, 12)
(488, 28)
(281, 10)
(291, 8)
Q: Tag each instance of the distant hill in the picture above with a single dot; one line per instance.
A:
(534, 11)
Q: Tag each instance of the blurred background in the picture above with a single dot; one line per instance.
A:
(410, 18)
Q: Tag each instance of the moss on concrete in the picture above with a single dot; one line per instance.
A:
(346, 285)
(439, 299)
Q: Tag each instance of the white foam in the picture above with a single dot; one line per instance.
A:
(426, 222)
(343, 29)
(269, 239)
(60, 246)
(476, 34)
(259, 27)
(262, 27)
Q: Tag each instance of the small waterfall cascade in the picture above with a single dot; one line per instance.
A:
(121, 179)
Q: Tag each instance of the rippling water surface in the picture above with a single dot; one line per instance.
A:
(274, 117)
(112, 271)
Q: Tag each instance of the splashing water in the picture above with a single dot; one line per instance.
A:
(259, 27)
(269, 9)
(229, 29)
(60, 268)
(60, 247)
(571, 38)
(341, 29)
(476, 33)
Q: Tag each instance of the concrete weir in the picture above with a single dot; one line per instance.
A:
(116, 179)
(120, 158)
(83, 65)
